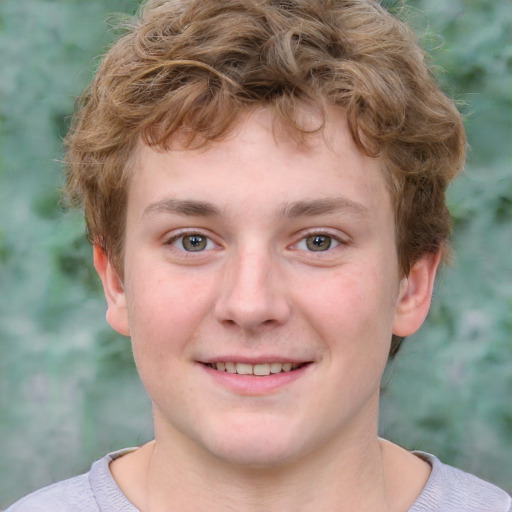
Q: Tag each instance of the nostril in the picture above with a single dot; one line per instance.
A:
(249, 297)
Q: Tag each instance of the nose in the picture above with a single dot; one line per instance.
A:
(251, 294)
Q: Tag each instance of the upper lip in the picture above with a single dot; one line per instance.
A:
(268, 359)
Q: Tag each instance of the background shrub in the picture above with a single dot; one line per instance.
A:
(68, 388)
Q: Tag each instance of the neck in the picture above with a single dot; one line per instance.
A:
(346, 475)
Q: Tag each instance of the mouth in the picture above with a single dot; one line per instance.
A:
(258, 370)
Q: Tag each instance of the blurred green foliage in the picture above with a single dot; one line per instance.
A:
(68, 386)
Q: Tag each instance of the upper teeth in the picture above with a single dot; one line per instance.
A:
(253, 369)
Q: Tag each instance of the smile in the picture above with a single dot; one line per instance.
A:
(259, 370)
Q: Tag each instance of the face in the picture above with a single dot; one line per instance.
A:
(261, 290)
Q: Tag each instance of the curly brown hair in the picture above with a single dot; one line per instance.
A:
(194, 66)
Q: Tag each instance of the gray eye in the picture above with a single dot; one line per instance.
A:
(194, 243)
(318, 242)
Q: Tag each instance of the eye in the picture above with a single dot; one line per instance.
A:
(193, 242)
(319, 242)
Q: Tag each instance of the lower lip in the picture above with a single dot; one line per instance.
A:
(252, 385)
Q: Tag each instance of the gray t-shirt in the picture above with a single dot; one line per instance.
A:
(447, 490)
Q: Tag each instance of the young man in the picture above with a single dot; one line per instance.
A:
(264, 186)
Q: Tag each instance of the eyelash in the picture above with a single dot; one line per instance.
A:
(337, 240)
(173, 240)
(210, 243)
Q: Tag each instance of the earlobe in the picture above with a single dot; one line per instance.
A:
(117, 312)
(415, 295)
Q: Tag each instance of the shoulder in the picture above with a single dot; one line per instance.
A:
(95, 491)
(452, 490)
(73, 495)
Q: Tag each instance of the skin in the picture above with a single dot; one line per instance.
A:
(258, 293)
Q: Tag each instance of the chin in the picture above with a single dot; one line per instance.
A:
(256, 447)
(257, 457)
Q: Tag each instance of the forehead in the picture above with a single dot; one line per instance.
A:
(261, 160)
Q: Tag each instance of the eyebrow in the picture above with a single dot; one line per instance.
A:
(183, 207)
(306, 208)
(323, 206)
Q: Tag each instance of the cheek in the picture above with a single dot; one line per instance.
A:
(353, 310)
(166, 311)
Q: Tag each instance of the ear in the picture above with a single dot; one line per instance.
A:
(415, 295)
(117, 312)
